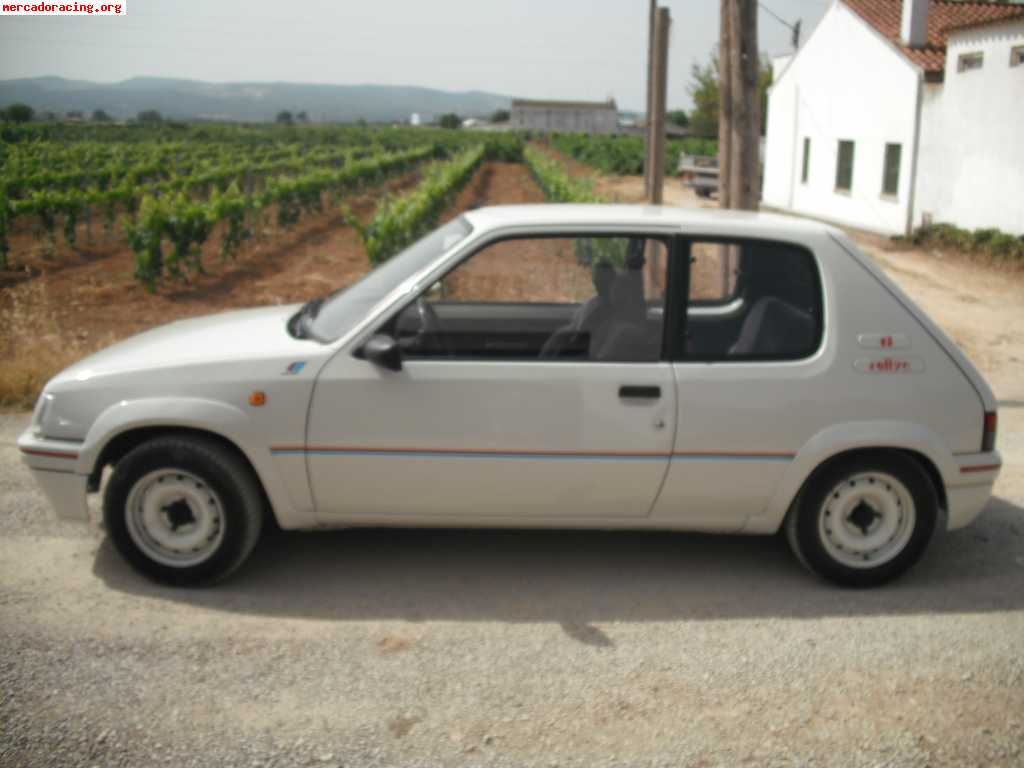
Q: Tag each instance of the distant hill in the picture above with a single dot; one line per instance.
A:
(248, 102)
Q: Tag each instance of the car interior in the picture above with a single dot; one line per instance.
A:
(770, 307)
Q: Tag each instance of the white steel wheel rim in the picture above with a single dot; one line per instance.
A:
(867, 520)
(175, 518)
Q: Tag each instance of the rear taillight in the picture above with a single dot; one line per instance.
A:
(988, 437)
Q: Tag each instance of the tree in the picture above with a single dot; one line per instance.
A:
(302, 117)
(451, 120)
(74, 114)
(149, 116)
(501, 116)
(18, 113)
(99, 116)
(284, 117)
(704, 90)
(678, 117)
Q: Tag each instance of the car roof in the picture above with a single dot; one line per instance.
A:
(696, 220)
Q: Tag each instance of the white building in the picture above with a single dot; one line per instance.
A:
(894, 114)
(565, 116)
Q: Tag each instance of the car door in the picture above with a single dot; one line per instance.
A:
(748, 373)
(525, 396)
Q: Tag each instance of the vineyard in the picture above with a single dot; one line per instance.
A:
(624, 155)
(108, 230)
(171, 195)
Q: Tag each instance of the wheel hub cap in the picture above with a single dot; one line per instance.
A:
(175, 518)
(867, 520)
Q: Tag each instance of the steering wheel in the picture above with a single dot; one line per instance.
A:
(431, 338)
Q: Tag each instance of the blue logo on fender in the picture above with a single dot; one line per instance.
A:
(294, 368)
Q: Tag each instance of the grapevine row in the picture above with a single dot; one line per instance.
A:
(168, 233)
(623, 155)
(555, 182)
(69, 207)
(559, 187)
(400, 221)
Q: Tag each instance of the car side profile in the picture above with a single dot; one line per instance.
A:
(603, 366)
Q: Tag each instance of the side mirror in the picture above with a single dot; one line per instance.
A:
(383, 350)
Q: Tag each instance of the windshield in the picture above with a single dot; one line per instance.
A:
(340, 312)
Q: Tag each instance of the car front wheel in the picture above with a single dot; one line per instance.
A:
(865, 520)
(183, 510)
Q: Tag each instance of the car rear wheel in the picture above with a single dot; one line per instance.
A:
(864, 521)
(183, 510)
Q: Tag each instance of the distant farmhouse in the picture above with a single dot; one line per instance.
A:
(565, 116)
(894, 114)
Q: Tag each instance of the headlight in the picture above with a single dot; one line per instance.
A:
(42, 411)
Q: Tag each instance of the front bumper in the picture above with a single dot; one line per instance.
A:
(55, 466)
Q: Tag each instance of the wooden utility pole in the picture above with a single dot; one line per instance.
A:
(739, 126)
(724, 102)
(656, 127)
(650, 96)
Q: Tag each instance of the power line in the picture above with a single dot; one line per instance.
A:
(794, 28)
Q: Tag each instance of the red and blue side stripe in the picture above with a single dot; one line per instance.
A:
(466, 453)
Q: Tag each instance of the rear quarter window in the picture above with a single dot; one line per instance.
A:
(752, 300)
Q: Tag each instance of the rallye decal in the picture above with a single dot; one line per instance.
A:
(889, 364)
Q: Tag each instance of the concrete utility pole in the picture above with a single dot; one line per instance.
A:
(739, 122)
(656, 119)
(650, 96)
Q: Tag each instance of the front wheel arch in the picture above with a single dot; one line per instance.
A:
(123, 443)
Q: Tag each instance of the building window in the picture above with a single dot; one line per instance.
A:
(807, 160)
(969, 61)
(844, 167)
(1017, 56)
(891, 172)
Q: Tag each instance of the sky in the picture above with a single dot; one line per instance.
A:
(548, 49)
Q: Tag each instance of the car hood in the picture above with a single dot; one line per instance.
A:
(248, 334)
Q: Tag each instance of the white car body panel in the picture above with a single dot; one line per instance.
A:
(514, 440)
(727, 447)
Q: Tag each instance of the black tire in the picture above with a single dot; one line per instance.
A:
(809, 518)
(240, 506)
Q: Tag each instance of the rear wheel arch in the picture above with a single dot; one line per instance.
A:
(926, 464)
(894, 487)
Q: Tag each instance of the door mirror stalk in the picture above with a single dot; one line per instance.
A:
(383, 350)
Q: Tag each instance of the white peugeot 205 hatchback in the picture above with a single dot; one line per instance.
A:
(542, 366)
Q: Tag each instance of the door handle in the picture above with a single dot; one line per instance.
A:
(639, 392)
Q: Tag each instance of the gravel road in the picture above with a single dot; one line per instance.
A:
(439, 648)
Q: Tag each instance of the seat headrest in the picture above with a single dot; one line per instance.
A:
(603, 275)
(628, 297)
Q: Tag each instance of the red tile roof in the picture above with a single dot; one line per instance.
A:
(943, 16)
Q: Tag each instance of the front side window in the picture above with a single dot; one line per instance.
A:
(770, 307)
(1017, 56)
(968, 61)
(571, 298)
(844, 167)
(891, 171)
(342, 310)
(807, 160)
